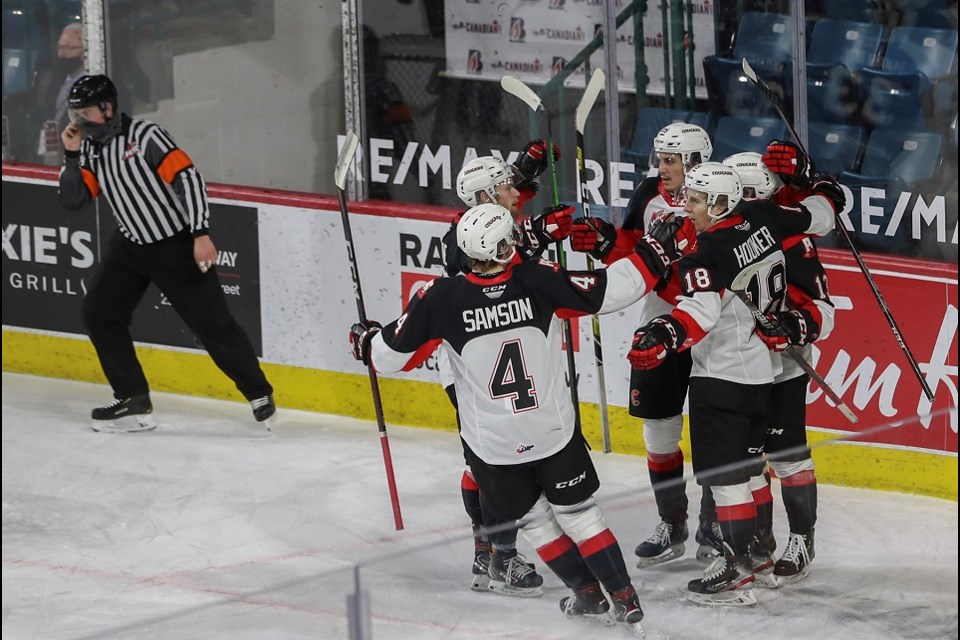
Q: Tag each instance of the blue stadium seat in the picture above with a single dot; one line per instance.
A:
(836, 147)
(852, 44)
(766, 41)
(734, 135)
(894, 161)
(900, 92)
(649, 122)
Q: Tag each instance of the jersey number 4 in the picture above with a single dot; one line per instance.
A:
(511, 380)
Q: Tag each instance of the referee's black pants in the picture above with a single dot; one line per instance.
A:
(127, 269)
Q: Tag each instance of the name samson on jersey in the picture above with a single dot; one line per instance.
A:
(498, 315)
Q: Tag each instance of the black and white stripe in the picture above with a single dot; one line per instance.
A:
(146, 208)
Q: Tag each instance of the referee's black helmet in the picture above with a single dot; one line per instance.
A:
(96, 90)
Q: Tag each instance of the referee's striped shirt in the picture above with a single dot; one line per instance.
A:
(153, 188)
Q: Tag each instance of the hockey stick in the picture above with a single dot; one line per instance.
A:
(517, 88)
(738, 289)
(340, 178)
(583, 111)
(765, 89)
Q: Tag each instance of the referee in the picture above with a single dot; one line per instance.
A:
(159, 200)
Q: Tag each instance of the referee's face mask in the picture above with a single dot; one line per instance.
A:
(98, 125)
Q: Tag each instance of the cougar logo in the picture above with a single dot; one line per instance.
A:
(572, 482)
(517, 32)
(523, 448)
(474, 63)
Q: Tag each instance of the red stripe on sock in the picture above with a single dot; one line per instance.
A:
(762, 496)
(467, 482)
(553, 550)
(801, 479)
(736, 512)
(663, 462)
(597, 543)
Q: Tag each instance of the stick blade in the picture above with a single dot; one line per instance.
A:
(516, 87)
(594, 87)
(345, 159)
(748, 70)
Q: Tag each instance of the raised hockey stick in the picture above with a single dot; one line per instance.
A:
(583, 111)
(772, 97)
(738, 288)
(516, 87)
(340, 178)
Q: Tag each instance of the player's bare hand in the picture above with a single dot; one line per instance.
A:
(71, 137)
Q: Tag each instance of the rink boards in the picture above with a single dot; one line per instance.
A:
(285, 271)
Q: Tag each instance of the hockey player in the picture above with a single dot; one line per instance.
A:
(501, 326)
(490, 180)
(657, 396)
(738, 249)
(809, 316)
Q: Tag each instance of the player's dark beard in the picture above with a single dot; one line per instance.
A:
(102, 133)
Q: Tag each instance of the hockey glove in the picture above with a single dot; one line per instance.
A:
(830, 189)
(653, 341)
(554, 223)
(361, 333)
(787, 328)
(533, 160)
(592, 235)
(788, 161)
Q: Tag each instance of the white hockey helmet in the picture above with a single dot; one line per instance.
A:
(758, 181)
(686, 139)
(487, 232)
(482, 174)
(715, 179)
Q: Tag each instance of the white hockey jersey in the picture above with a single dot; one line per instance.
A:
(503, 337)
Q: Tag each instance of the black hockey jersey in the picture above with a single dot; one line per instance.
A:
(503, 338)
(741, 252)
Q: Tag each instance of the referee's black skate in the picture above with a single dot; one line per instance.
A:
(124, 415)
(664, 545)
(511, 575)
(728, 582)
(589, 603)
(264, 409)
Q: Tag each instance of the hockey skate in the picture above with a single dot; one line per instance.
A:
(761, 559)
(511, 575)
(125, 415)
(590, 604)
(710, 539)
(264, 410)
(664, 545)
(794, 564)
(626, 607)
(727, 582)
(481, 566)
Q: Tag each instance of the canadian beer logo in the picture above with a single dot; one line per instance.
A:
(569, 35)
(478, 27)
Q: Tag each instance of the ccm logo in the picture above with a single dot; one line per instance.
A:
(569, 483)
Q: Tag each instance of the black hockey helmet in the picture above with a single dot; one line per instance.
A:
(89, 91)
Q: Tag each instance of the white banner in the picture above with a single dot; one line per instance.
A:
(534, 39)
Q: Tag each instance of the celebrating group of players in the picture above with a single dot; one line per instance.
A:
(723, 256)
